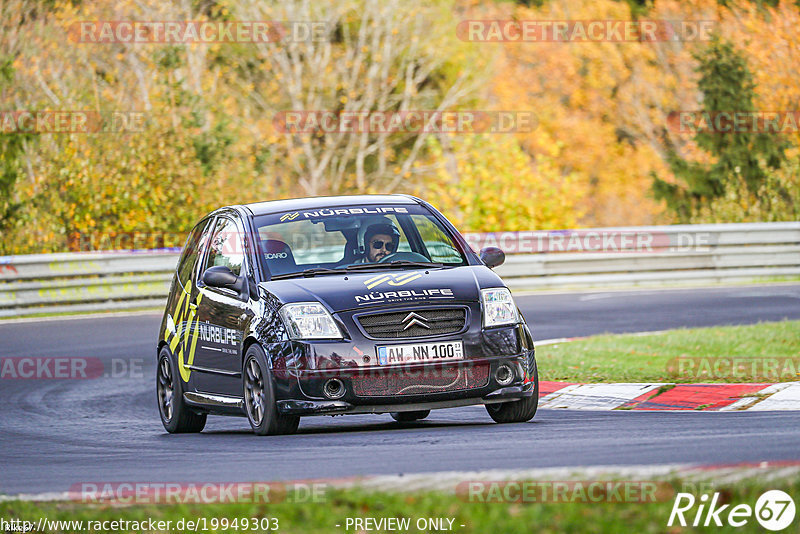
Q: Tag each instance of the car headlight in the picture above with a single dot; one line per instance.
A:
(498, 307)
(309, 320)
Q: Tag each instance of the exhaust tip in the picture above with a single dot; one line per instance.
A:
(504, 374)
(333, 389)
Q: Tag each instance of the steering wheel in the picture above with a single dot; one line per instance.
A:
(403, 256)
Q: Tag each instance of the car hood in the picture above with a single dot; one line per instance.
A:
(387, 287)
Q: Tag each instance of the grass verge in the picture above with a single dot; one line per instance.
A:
(764, 352)
(476, 517)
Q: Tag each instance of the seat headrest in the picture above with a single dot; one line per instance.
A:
(278, 256)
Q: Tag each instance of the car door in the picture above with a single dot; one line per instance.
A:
(221, 313)
(181, 316)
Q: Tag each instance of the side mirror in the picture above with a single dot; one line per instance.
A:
(492, 257)
(220, 276)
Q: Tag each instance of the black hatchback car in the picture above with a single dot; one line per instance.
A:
(338, 305)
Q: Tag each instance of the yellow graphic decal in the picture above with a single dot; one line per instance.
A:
(195, 332)
(176, 321)
(189, 342)
(186, 327)
(290, 216)
(174, 343)
(392, 279)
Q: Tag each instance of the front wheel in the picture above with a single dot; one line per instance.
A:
(407, 417)
(519, 411)
(176, 416)
(259, 397)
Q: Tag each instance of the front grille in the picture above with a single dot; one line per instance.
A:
(409, 323)
(435, 379)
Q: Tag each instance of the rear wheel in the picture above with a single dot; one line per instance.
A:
(176, 416)
(517, 411)
(259, 397)
(405, 417)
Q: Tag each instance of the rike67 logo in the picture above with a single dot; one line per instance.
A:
(774, 510)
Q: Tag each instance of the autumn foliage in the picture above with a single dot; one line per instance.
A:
(600, 140)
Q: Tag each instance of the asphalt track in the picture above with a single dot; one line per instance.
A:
(57, 433)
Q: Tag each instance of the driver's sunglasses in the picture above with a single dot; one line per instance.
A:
(377, 245)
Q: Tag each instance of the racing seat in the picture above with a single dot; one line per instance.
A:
(278, 256)
(351, 254)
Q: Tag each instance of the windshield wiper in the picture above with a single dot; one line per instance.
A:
(394, 265)
(397, 264)
(307, 273)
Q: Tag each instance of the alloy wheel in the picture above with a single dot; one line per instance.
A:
(254, 391)
(166, 389)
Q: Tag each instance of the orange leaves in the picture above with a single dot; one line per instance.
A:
(601, 112)
(771, 45)
(603, 103)
(494, 186)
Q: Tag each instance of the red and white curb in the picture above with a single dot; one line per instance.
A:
(666, 396)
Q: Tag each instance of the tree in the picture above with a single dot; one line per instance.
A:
(726, 85)
(12, 145)
(375, 56)
(493, 185)
(602, 103)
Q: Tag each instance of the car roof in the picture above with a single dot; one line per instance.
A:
(310, 203)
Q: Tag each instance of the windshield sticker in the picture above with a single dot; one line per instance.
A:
(342, 211)
(289, 216)
(406, 294)
(392, 279)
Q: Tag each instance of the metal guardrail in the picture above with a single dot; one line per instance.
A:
(639, 256)
(629, 256)
(53, 283)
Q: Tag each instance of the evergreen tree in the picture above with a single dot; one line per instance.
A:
(727, 86)
(11, 148)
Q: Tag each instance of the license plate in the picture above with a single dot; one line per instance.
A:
(420, 353)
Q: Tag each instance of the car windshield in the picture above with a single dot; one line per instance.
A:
(321, 241)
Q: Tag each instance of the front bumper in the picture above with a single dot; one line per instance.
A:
(304, 368)
(339, 407)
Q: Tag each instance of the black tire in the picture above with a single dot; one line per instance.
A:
(519, 411)
(176, 416)
(259, 397)
(406, 417)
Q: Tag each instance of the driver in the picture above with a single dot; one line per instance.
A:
(380, 240)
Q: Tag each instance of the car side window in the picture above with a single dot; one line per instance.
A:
(226, 246)
(306, 242)
(192, 249)
(403, 245)
(439, 244)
